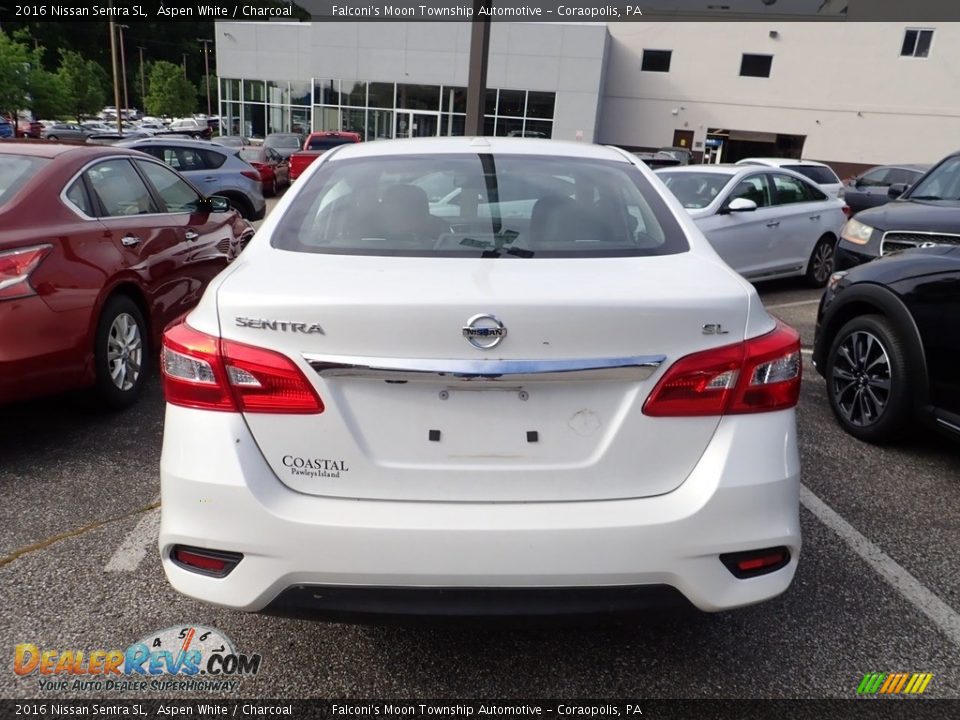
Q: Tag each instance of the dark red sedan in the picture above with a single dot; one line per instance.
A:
(100, 248)
(273, 168)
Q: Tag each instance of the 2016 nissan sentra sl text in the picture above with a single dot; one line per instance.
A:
(543, 393)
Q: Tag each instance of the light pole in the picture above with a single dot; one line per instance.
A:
(477, 79)
(116, 83)
(123, 68)
(206, 65)
(143, 82)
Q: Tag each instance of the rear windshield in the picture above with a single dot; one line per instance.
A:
(820, 175)
(509, 206)
(283, 141)
(325, 143)
(250, 155)
(695, 190)
(15, 172)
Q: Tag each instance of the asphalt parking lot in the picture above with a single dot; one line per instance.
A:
(878, 588)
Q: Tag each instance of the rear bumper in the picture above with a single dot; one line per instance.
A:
(40, 349)
(381, 556)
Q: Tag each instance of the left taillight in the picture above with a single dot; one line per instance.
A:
(16, 267)
(205, 372)
(759, 375)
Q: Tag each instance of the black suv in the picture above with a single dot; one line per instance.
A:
(928, 214)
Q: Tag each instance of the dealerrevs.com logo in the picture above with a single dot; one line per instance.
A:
(190, 658)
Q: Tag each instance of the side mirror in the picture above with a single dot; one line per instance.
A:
(740, 205)
(857, 182)
(896, 190)
(218, 204)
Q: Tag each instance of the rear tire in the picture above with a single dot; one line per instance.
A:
(241, 206)
(272, 190)
(821, 264)
(869, 380)
(121, 353)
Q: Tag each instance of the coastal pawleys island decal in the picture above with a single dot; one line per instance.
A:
(189, 658)
(894, 683)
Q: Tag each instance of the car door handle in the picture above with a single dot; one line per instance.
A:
(129, 240)
(775, 223)
(191, 235)
(814, 217)
(209, 178)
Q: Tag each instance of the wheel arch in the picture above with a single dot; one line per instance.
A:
(872, 299)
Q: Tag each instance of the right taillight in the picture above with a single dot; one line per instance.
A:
(15, 268)
(205, 372)
(759, 375)
(252, 174)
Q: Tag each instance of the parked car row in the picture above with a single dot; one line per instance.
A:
(101, 248)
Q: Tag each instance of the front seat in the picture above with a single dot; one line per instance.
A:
(405, 214)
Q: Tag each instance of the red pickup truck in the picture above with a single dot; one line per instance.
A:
(316, 145)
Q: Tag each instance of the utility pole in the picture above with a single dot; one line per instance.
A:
(477, 82)
(184, 65)
(123, 69)
(206, 65)
(116, 82)
(143, 82)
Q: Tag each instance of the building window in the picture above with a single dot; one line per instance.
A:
(656, 60)
(755, 65)
(916, 43)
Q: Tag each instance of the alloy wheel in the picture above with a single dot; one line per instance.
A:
(823, 262)
(124, 351)
(861, 378)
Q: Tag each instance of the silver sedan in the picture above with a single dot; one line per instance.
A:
(764, 222)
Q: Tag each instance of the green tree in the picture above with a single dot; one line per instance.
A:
(15, 63)
(169, 92)
(46, 94)
(82, 82)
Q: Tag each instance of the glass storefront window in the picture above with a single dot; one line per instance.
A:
(511, 103)
(278, 118)
(354, 121)
(379, 124)
(254, 120)
(453, 125)
(488, 125)
(509, 127)
(253, 91)
(300, 93)
(326, 92)
(380, 95)
(453, 99)
(278, 92)
(326, 118)
(229, 90)
(230, 118)
(538, 128)
(490, 103)
(300, 121)
(418, 97)
(354, 94)
(540, 105)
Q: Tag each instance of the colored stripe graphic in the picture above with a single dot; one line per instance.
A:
(894, 683)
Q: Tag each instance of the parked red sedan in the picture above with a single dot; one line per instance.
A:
(100, 248)
(273, 168)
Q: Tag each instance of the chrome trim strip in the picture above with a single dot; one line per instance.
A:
(638, 367)
(883, 238)
(948, 424)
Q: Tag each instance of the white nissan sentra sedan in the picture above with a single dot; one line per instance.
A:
(765, 223)
(557, 400)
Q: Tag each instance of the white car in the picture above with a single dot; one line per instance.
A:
(764, 223)
(817, 172)
(375, 410)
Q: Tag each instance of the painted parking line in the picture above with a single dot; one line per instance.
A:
(133, 549)
(943, 616)
(798, 303)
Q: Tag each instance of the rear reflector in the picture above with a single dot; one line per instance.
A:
(215, 563)
(756, 562)
(15, 268)
(205, 372)
(759, 375)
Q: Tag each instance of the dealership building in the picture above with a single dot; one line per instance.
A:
(848, 93)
